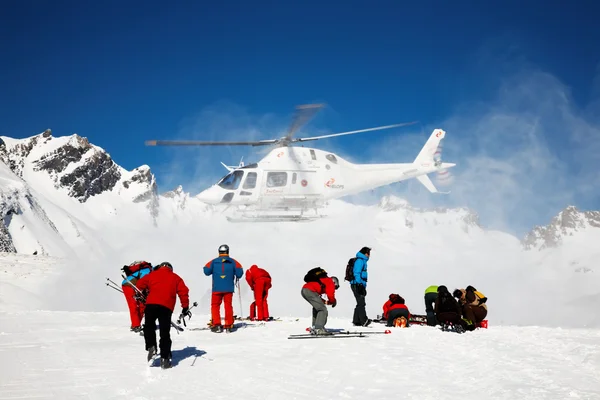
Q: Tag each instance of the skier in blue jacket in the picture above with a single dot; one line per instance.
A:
(225, 271)
(359, 287)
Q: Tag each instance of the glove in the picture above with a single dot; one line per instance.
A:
(126, 270)
(333, 303)
(186, 311)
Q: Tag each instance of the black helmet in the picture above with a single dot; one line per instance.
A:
(164, 264)
(336, 282)
(223, 249)
(457, 293)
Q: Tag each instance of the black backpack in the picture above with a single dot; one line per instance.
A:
(350, 270)
(315, 275)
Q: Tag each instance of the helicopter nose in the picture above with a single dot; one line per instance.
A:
(211, 195)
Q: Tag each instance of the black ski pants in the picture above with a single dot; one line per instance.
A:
(397, 313)
(163, 315)
(360, 311)
(430, 299)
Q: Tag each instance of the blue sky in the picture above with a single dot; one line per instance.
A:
(120, 73)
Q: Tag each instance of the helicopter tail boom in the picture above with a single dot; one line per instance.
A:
(427, 153)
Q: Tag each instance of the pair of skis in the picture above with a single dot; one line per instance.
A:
(340, 334)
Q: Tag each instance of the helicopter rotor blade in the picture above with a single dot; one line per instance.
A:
(201, 143)
(378, 128)
(303, 114)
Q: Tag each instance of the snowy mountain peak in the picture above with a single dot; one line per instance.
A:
(393, 203)
(568, 222)
(72, 163)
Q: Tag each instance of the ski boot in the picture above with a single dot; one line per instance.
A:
(165, 363)
(320, 332)
(136, 329)
(151, 353)
(400, 322)
(216, 328)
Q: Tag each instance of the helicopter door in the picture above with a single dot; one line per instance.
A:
(249, 184)
(276, 183)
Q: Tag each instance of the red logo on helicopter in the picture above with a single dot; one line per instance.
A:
(280, 154)
(438, 134)
(304, 182)
(331, 184)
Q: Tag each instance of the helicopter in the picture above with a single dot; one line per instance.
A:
(290, 181)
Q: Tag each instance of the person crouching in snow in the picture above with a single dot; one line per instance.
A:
(447, 310)
(133, 273)
(318, 283)
(473, 305)
(162, 285)
(259, 281)
(395, 311)
(225, 272)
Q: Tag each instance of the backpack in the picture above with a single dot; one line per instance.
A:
(315, 275)
(350, 270)
(482, 298)
(136, 266)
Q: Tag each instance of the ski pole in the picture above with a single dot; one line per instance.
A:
(112, 287)
(182, 317)
(240, 297)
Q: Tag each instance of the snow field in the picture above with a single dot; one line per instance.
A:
(74, 355)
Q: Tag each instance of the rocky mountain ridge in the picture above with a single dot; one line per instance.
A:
(568, 222)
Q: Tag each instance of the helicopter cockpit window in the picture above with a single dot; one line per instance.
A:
(250, 182)
(331, 158)
(276, 179)
(232, 180)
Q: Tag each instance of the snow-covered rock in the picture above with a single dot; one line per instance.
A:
(72, 166)
(568, 223)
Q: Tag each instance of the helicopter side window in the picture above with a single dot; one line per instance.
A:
(294, 176)
(232, 180)
(276, 179)
(313, 155)
(331, 158)
(250, 182)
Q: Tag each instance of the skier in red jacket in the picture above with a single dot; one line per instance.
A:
(134, 272)
(318, 283)
(259, 281)
(163, 286)
(395, 311)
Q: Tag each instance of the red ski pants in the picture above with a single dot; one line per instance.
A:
(259, 309)
(215, 308)
(136, 308)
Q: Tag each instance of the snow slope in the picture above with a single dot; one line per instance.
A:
(74, 355)
(66, 334)
(112, 220)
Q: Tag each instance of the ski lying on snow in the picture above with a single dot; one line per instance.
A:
(310, 336)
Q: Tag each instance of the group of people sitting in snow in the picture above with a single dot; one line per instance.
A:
(464, 309)
(151, 294)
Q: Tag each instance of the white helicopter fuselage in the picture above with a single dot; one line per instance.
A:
(302, 177)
